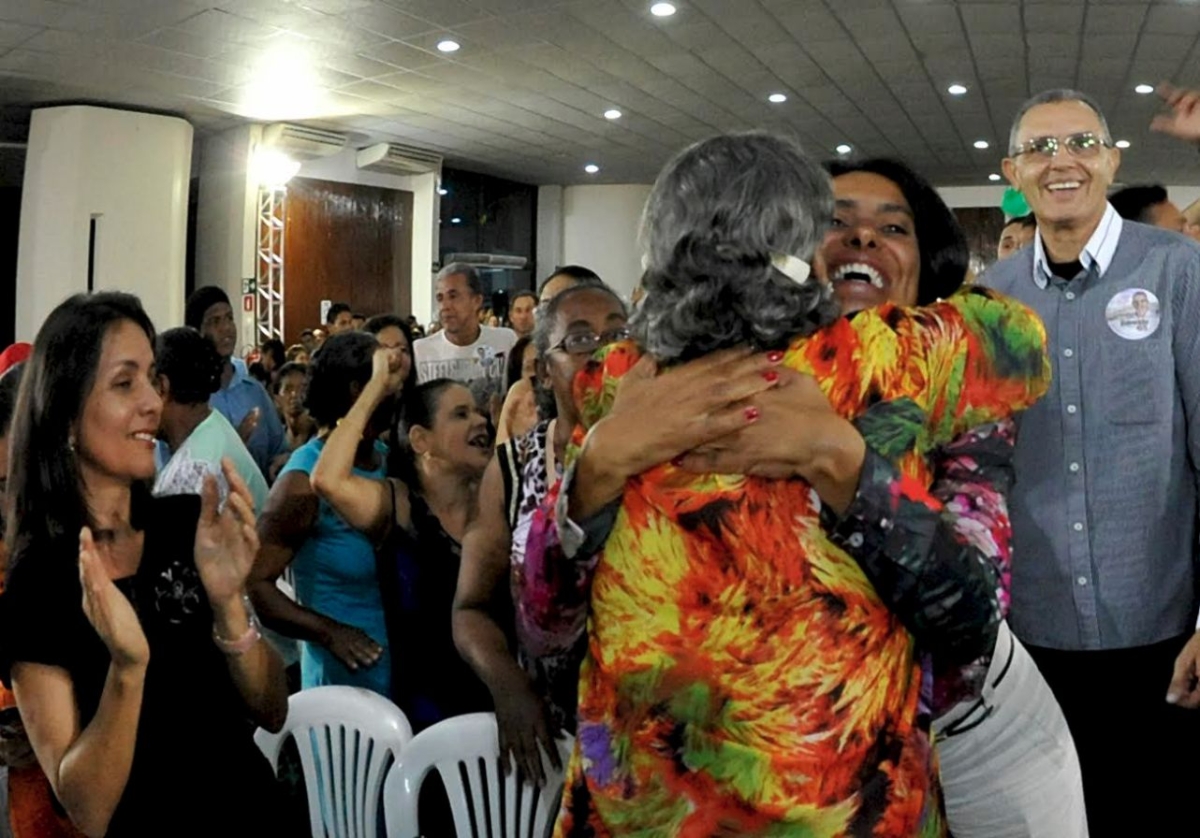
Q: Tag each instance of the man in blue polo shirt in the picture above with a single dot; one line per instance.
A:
(241, 399)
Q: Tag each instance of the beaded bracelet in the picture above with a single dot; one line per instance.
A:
(242, 644)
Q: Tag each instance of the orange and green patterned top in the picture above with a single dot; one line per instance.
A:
(742, 676)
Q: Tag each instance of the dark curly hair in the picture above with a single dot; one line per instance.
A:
(190, 363)
(344, 359)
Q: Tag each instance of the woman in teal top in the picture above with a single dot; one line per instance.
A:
(338, 612)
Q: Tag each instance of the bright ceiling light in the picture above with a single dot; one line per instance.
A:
(993, 177)
(981, 144)
(272, 168)
(1122, 143)
(612, 113)
(443, 190)
(448, 46)
(662, 10)
(957, 89)
(1144, 89)
(591, 168)
(456, 220)
(844, 149)
(284, 85)
(777, 98)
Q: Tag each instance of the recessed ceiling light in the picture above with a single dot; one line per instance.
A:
(993, 176)
(448, 46)
(456, 220)
(443, 190)
(777, 98)
(956, 89)
(981, 144)
(844, 149)
(612, 113)
(1122, 144)
(662, 10)
(591, 168)
(1144, 89)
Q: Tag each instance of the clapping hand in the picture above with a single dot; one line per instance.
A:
(108, 610)
(226, 540)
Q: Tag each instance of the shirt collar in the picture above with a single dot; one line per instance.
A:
(240, 372)
(1099, 248)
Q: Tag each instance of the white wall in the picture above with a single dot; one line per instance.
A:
(600, 225)
(341, 167)
(130, 171)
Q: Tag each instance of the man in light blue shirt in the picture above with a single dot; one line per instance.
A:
(241, 399)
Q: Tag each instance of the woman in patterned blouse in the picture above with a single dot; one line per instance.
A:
(744, 675)
(1008, 763)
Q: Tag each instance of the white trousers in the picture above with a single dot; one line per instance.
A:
(1008, 763)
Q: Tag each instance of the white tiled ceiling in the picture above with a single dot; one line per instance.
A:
(525, 95)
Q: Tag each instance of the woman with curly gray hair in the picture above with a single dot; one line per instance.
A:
(744, 674)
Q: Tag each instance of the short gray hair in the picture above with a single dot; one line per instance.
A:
(717, 214)
(474, 281)
(1049, 97)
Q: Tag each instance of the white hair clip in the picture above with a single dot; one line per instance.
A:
(793, 267)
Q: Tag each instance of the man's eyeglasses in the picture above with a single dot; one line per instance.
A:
(1083, 145)
(585, 343)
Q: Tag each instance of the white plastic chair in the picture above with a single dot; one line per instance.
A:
(348, 738)
(465, 751)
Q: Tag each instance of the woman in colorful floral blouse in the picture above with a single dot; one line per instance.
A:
(745, 675)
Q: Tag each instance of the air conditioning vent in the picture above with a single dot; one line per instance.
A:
(301, 142)
(394, 159)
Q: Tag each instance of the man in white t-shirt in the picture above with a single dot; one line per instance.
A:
(464, 350)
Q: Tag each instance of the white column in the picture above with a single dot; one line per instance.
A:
(227, 219)
(124, 175)
(549, 231)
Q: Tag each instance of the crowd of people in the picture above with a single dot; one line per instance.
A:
(817, 535)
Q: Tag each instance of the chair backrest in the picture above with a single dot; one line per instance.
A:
(465, 751)
(348, 738)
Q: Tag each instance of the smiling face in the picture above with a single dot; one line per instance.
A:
(1066, 190)
(870, 252)
(116, 430)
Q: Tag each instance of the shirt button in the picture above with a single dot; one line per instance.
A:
(855, 540)
(1082, 580)
(1069, 353)
(1078, 527)
(1072, 409)
(1074, 467)
(1070, 295)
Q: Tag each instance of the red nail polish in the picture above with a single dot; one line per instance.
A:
(752, 414)
(771, 376)
(775, 357)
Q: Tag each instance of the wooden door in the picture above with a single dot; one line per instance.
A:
(347, 243)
